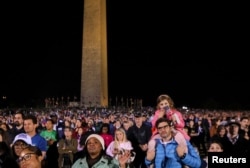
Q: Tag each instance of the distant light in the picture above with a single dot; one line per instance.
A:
(184, 107)
(4, 97)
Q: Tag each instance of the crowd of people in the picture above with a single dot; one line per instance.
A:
(164, 136)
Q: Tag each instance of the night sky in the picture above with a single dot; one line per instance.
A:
(196, 55)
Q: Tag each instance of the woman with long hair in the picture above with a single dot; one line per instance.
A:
(120, 145)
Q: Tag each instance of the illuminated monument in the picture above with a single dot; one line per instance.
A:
(94, 75)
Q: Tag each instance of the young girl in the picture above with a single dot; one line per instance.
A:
(165, 108)
(120, 144)
(106, 135)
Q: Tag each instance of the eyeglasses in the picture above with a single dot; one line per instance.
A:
(163, 127)
(22, 145)
(25, 157)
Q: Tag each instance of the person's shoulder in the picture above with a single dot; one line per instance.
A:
(108, 159)
(176, 110)
(156, 112)
(243, 140)
(38, 136)
(42, 138)
(146, 126)
(61, 140)
(42, 132)
(79, 162)
(111, 143)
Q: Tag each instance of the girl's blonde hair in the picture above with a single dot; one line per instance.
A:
(124, 136)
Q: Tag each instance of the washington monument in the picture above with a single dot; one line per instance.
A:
(94, 75)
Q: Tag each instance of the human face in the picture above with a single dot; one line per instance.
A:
(104, 130)
(244, 123)
(105, 120)
(29, 126)
(67, 133)
(49, 125)
(112, 118)
(29, 159)
(67, 123)
(90, 123)
(94, 146)
(19, 146)
(164, 130)
(191, 122)
(117, 124)
(222, 132)
(18, 120)
(80, 131)
(78, 123)
(124, 119)
(126, 126)
(138, 121)
(234, 129)
(214, 147)
(163, 104)
(119, 135)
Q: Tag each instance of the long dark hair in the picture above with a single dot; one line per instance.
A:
(5, 136)
(106, 125)
(6, 157)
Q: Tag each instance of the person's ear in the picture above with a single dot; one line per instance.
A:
(40, 158)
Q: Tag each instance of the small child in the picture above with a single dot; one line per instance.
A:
(165, 108)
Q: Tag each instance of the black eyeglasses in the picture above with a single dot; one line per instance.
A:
(163, 127)
(22, 145)
(25, 157)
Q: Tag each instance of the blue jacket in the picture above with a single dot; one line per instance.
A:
(166, 156)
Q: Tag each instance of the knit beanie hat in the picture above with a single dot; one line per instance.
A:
(98, 137)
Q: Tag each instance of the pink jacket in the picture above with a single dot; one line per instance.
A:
(107, 139)
(178, 125)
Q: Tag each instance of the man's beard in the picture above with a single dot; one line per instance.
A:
(17, 123)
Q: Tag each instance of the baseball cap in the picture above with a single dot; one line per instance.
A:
(23, 137)
(138, 114)
(231, 122)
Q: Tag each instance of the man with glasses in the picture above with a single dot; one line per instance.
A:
(167, 152)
